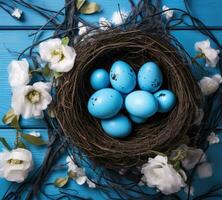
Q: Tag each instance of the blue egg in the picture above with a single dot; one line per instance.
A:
(166, 100)
(99, 79)
(138, 120)
(141, 104)
(105, 103)
(150, 77)
(118, 127)
(122, 77)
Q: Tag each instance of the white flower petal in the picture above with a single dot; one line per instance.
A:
(104, 23)
(18, 73)
(201, 45)
(208, 85)
(211, 54)
(158, 173)
(193, 157)
(119, 17)
(217, 77)
(16, 172)
(81, 180)
(17, 13)
(213, 138)
(22, 106)
(169, 13)
(204, 170)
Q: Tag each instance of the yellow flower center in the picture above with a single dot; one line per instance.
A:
(58, 53)
(34, 96)
(15, 162)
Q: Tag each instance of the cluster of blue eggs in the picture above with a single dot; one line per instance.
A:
(115, 91)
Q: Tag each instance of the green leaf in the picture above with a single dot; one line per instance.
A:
(20, 144)
(8, 117)
(57, 74)
(5, 143)
(61, 182)
(72, 175)
(90, 8)
(33, 140)
(79, 4)
(65, 41)
(47, 71)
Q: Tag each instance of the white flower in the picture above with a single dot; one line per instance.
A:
(60, 57)
(211, 54)
(82, 28)
(119, 17)
(17, 13)
(204, 170)
(29, 101)
(18, 73)
(213, 138)
(79, 174)
(15, 165)
(168, 13)
(209, 85)
(104, 23)
(158, 173)
(35, 133)
(193, 157)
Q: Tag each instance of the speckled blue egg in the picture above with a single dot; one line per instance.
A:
(141, 104)
(118, 127)
(166, 100)
(138, 120)
(122, 77)
(105, 103)
(150, 77)
(99, 79)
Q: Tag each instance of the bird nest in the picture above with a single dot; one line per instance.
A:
(162, 132)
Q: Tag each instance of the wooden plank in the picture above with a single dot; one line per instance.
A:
(31, 18)
(38, 156)
(200, 185)
(208, 11)
(18, 40)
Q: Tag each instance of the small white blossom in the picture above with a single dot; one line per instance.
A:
(35, 133)
(16, 164)
(217, 77)
(18, 73)
(82, 28)
(209, 85)
(80, 175)
(211, 54)
(204, 170)
(159, 173)
(17, 13)
(168, 13)
(119, 17)
(30, 100)
(104, 23)
(60, 57)
(193, 157)
(213, 138)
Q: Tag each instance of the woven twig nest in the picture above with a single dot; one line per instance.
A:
(163, 132)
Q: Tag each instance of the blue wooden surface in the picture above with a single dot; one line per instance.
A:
(16, 40)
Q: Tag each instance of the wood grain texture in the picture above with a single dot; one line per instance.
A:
(15, 38)
(31, 18)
